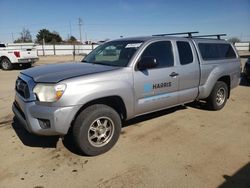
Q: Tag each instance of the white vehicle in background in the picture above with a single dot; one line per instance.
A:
(17, 54)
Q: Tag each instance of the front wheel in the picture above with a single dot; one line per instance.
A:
(218, 97)
(96, 129)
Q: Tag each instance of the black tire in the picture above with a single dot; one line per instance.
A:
(218, 97)
(27, 65)
(6, 64)
(89, 127)
(245, 75)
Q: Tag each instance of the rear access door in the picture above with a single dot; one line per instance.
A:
(189, 71)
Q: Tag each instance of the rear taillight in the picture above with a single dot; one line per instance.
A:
(17, 54)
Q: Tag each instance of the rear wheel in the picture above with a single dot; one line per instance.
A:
(6, 64)
(245, 75)
(218, 97)
(27, 65)
(96, 129)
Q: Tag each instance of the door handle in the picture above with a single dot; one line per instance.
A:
(174, 74)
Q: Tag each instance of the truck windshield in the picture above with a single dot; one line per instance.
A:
(114, 53)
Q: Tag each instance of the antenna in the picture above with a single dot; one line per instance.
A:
(183, 33)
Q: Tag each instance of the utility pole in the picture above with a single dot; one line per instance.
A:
(12, 35)
(70, 31)
(80, 28)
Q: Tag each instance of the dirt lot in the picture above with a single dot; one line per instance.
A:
(186, 146)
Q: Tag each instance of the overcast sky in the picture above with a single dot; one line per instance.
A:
(113, 18)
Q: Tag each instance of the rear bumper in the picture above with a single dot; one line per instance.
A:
(29, 115)
(28, 60)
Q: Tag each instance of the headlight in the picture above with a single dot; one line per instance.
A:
(49, 92)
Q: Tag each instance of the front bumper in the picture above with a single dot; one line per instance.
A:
(29, 113)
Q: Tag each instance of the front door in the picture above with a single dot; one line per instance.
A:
(157, 88)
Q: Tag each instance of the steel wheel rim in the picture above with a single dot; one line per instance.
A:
(220, 96)
(4, 64)
(101, 131)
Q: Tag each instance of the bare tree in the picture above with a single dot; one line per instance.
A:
(234, 40)
(25, 36)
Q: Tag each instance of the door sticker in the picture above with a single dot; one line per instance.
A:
(147, 87)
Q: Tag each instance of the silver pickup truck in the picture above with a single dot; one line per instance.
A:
(122, 79)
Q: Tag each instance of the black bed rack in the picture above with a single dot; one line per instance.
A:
(216, 35)
(190, 35)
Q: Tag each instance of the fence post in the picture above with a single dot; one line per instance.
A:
(43, 47)
(54, 48)
(43, 50)
(74, 52)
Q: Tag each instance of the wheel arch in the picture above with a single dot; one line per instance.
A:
(226, 79)
(114, 102)
(3, 57)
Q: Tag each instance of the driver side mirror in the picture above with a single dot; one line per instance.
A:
(147, 63)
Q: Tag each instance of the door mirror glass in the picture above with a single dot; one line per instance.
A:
(147, 63)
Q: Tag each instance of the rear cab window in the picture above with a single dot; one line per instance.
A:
(185, 52)
(216, 51)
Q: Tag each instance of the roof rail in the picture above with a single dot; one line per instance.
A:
(216, 35)
(183, 33)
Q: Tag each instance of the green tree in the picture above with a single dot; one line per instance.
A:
(72, 40)
(49, 37)
(234, 40)
(25, 36)
(56, 38)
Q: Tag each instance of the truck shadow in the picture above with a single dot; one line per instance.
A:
(69, 144)
(152, 115)
(241, 179)
(32, 140)
(201, 105)
(244, 81)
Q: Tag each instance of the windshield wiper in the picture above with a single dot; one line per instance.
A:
(87, 61)
(101, 63)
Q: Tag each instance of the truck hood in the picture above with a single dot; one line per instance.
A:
(58, 72)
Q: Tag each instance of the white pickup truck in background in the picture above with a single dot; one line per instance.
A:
(11, 55)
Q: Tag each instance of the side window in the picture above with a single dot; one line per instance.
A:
(226, 51)
(162, 52)
(209, 51)
(213, 51)
(185, 52)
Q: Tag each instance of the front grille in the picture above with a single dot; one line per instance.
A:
(22, 88)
